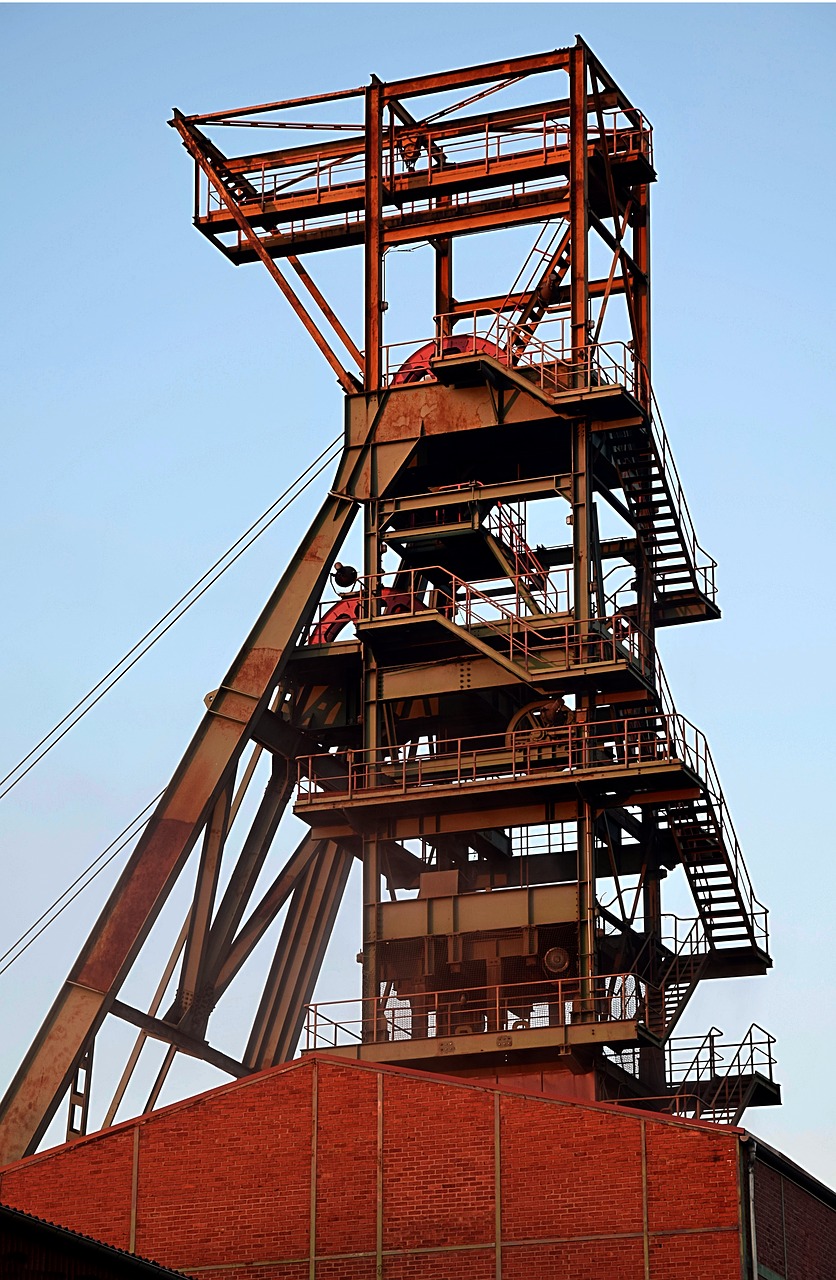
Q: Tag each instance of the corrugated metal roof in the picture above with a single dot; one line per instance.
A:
(141, 1267)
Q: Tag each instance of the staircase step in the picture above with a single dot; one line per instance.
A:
(659, 503)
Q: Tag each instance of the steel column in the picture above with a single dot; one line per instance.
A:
(578, 212)
(374, 237)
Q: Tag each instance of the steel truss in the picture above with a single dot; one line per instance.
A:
(474, 719)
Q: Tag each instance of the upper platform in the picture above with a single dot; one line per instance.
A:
(548, 140)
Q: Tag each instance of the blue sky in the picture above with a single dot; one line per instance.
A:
(156, 400)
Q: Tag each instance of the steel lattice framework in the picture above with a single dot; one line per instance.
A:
(483, 723)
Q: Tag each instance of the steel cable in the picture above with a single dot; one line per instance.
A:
(102, 860)
(50, 915)
(178, 609)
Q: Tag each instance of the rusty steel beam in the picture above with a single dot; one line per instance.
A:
(373, 237)
(248, 866)
(208, 871)
(309, 203)
(162, 850)
(410, 228)
(264, 913)
(465, 77)
(579, 209)
(458, 127)
(348, 383)
(518, 301)
(157, 1029)
(142, 1037)
(261, 107)
(299, 955)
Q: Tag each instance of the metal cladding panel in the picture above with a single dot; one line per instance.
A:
(472, 913)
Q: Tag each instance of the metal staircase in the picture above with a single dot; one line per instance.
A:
(506, 531)
(707, 845)
(712, 1081)
(703, 835)
(683, 573)
(670, 966)
(554, 264)
(681, 974)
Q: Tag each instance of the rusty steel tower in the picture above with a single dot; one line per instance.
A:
(482, 722)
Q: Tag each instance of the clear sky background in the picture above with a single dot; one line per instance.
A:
(155, 400)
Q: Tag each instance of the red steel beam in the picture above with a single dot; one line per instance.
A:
(462, 126)
(261, 107)
(464, 77)
(348, 384)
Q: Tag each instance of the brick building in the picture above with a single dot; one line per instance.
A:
(331, 1169)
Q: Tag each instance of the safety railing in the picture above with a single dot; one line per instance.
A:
(719, 829)
(622, 137)
(508, 1008)
(679, 938)
(695, 1059)
(348, 221)
(594, 747)
(497, 604)
(507, 523)
(548, 363)
(707, 1074)
(496, 610)
(503, 612)
(719, 826)
(755, 909)
(331, 617)
(703, 565)
(687, 942)
(428, 150)
(683, 937)
(671, 958)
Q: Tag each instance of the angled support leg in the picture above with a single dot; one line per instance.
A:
(165, 845)
(299, 955)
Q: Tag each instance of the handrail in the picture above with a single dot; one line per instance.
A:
(650, 738)
(704, 565)
(462, 598)
(543, 135)
(509, 1007)
(509, 528)
(754, 908)
(319, 1017)
(665, 958)
(406, 595)
(750, 1055)
(616, 634)
(703, 1062)
(693, 942)
(709, 1066)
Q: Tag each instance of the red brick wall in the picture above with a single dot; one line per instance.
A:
(86, 1187)
(795, 1231)
(404, 1164)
